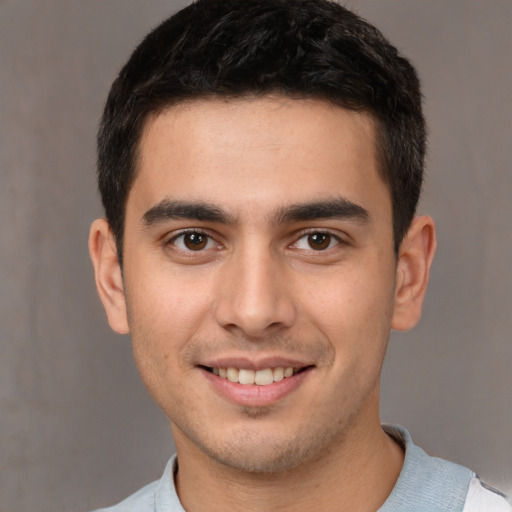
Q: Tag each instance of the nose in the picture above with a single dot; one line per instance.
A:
(254, 297)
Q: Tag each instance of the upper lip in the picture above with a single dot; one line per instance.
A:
(255, 363)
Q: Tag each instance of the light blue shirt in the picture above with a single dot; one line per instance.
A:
(425, 484)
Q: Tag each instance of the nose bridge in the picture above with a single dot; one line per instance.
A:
(253, 296)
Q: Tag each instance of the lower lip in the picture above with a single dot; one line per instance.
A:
(252, 395)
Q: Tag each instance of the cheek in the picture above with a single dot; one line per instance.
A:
(164, 313)
(354, 311)
(167, 303)
(161, 331)
(355, 300)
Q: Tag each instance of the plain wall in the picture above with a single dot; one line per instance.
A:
(77, 428)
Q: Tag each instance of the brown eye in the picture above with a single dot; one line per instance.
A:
(195, 241)
(319, 241)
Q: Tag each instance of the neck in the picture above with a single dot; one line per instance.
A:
(356, 473)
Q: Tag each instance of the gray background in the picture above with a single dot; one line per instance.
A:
(77, 429)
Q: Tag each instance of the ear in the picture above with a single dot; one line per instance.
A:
(108, 276)
(414, 261)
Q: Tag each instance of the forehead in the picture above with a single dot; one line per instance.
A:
(239, 149)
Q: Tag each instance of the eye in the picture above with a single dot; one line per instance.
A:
(192, 241)
(318, 241)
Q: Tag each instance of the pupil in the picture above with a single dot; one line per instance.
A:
(195, 241)
(319, 240)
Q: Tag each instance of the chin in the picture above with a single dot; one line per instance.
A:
(261, 460)
(249, 453)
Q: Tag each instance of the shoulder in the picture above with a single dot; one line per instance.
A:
(141, 501)
(429, 483)
(483, 498)
(159, 496)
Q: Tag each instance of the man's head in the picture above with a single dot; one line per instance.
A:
(260, 163)
(236, 49)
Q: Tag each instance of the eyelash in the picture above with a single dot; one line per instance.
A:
(332, 238)
(187, 232)
(209, 240)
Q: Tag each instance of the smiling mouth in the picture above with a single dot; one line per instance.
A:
(249, 377)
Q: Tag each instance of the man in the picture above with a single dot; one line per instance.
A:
(260, 163)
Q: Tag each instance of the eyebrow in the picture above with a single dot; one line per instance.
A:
(339, 208)
(168, 210)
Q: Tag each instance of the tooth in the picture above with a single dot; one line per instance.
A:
(215, 371)
(246, 376)
(264, 377)
(223, 373)
(278, 374)
(288, 372)
(232, 374)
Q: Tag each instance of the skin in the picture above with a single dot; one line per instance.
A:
(257, 290)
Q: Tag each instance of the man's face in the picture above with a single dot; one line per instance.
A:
(258, 243)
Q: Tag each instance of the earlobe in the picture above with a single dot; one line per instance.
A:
(108, 276)
(414, 261)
